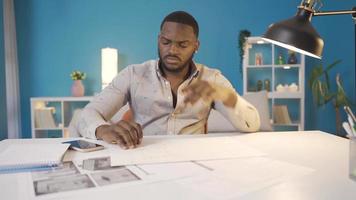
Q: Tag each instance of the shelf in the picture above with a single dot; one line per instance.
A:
(259, 66)
(285, 95)
(276, 74)
(287, 65)
(48, 129)
(276, 66)
(292, 124)
(64, 108)
(60, 99)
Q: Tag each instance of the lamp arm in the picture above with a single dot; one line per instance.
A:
(337, 12)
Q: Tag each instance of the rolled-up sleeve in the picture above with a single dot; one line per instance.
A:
(243, 116)
(105, 105)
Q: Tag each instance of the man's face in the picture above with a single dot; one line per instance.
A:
(176, 45)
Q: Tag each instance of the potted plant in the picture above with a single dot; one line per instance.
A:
(78, 87)
(243, 34)
(319, 83)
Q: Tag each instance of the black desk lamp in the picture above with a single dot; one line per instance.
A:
(298, 34)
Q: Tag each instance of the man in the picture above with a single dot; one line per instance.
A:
(172, 95)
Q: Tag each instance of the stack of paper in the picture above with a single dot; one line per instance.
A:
(29, 157)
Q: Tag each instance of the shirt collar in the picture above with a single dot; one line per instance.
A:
(193, 74)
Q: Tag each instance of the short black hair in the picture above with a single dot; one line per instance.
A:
(182, 17)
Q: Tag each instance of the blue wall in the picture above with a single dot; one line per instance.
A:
(58, 36)
(3, 124)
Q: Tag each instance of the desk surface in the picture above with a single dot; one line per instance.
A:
(327, 154)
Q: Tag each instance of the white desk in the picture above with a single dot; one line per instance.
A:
(325, 153)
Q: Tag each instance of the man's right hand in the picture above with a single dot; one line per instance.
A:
(125, 134)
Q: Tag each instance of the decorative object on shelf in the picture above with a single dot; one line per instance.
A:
(44, 117)
(293, 87)
(258, 59)
(259, 85)
(292, 58)
(281, 114)
(319, 83)
(77, 86)
(280, 88)
(243, 34)
(78, 75)
(280, 60)
(267, 85)
(287, 88)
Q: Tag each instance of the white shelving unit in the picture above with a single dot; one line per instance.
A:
(276, 74)
(62, 109)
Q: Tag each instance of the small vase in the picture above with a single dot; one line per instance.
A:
(258, 59)
(292, 58)
(267, 85)
(259, 85)
(280, 60)
(77, 88)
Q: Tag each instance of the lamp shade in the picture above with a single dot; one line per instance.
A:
(109, 63)
(297, 34)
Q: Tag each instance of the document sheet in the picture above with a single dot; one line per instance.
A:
(158, 150)
(201, 180)
(216, 168)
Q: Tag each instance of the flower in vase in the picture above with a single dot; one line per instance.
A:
(77, 75)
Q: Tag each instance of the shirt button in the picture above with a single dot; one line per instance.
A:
(169, 97)
(166, 82)
(170, 132)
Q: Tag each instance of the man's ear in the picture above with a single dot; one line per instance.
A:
(197, 45)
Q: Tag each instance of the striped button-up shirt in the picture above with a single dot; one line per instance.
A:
(150, 98)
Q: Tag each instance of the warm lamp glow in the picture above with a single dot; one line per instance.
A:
(293, 48)
(109, 63)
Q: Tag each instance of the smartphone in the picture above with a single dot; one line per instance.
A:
(84, 146)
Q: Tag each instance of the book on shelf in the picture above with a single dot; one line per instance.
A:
(44, 117)
(281, 114)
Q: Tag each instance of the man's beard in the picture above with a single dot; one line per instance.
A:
(174, 70)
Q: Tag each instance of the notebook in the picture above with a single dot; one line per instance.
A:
(31, 157)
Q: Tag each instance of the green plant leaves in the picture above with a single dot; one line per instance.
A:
(319, 82)
(243, 34)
